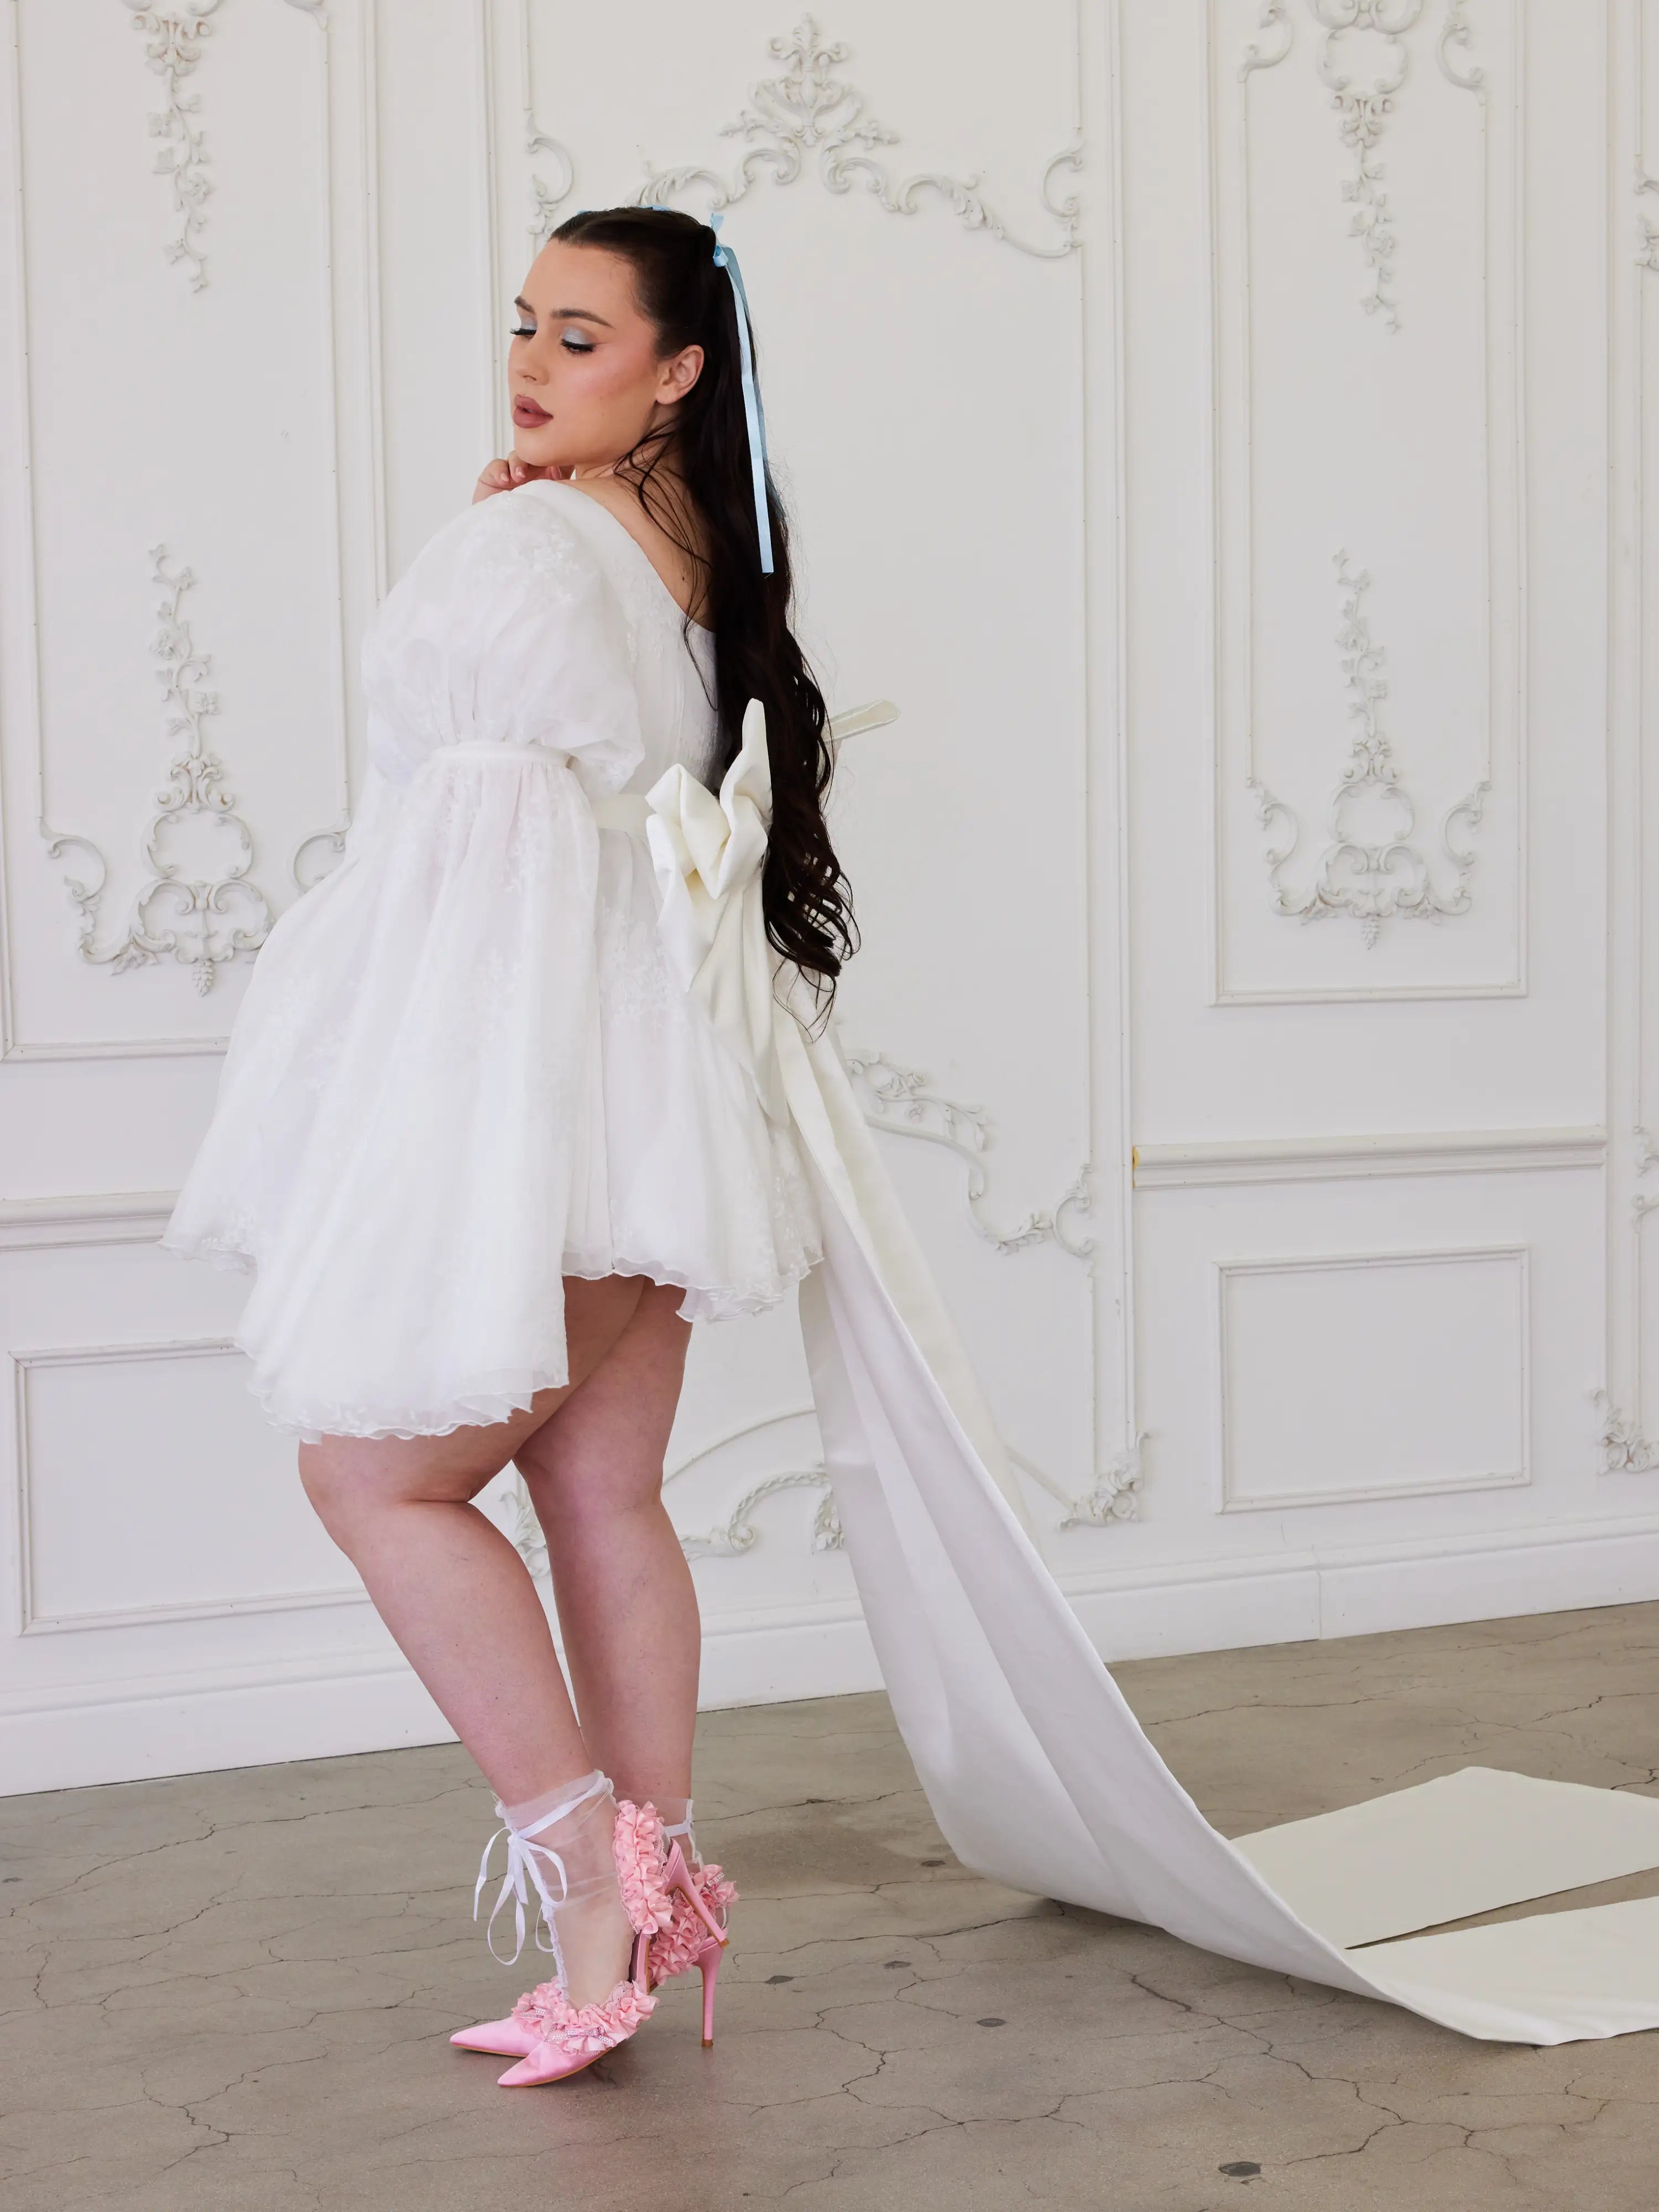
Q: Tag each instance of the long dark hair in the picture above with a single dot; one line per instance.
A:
(691, 302)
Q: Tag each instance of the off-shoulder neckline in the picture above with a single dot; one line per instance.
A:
(563, 483)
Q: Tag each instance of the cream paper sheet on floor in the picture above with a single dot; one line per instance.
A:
(1041, 1776)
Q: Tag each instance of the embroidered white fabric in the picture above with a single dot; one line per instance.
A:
(462, 1070)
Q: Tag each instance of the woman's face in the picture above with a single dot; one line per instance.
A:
(585, 379)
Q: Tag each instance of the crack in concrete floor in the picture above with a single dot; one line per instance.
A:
(208, 2005)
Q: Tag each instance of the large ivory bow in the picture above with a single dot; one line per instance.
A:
(708, 853)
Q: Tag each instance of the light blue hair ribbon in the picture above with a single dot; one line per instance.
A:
(725, 258)
(753, 415)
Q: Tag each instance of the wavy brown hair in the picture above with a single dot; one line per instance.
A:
(690, 301)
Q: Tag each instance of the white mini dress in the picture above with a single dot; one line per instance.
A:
(462, 1070)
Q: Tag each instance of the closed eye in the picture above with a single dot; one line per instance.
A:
(573, 342)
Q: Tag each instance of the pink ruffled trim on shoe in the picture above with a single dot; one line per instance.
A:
(535, 2007)
(642, 1859)
(584, 2030)
(676, 1949)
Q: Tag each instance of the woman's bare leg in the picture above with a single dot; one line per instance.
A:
(627, 1606)
(449, 1586)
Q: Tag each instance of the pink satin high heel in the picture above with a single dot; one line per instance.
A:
(688, 1935)
(550, 2038)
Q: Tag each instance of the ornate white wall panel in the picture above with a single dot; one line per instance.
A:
(143, 409)
(1378, 1374)
(1370, 721)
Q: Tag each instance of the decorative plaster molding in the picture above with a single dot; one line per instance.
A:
(1116, 1495)
(1370, 871)
(896, 1099)
(332, 846)
(174, 35)
(1234, 1160)
(122, 1217)
(1365, 109)
(205, 936)
(1646, 1157)
(1647, 230)
(1624, 1449)
(810, 110)
(736, 1533)
(173, 48)
(1232, 1498)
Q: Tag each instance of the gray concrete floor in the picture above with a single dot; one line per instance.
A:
(230, 1992)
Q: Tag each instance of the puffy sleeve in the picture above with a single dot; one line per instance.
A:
(505, 630)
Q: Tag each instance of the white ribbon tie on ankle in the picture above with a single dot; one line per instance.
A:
(520, 1862)
(522, 1851)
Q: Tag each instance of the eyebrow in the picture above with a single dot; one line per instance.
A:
(576, 314)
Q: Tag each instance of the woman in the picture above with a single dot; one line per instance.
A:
(490, 1159)
(536, 1077)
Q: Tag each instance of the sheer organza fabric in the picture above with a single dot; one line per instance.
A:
(461, 1071)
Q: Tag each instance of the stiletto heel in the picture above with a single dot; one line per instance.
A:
(709, 1961)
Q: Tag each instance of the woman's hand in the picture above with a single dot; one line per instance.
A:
(504, 476)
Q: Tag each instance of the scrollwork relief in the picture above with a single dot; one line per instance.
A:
(1623, 1448)
(1370, 871)
(1648, 230)
(206, 932)
(737, 1534)
(898, 1099)
(173, 37)
(810, 112)
(1116, 1495)
(1363, 105)
(1646, 1158)
(1113, 1496)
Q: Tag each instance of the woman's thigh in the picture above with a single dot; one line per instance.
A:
(342, 1473)
(602, 1447)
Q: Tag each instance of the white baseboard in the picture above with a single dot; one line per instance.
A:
(193, 1723)
(1365, 1590)
(134, 1731)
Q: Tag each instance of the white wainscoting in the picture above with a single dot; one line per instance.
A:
(1373, 1375)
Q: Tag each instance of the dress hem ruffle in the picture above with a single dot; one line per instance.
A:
(488, 1400)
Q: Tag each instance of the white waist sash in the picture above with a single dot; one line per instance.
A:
(621, 810)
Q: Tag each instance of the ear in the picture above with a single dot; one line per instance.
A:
(678, 375)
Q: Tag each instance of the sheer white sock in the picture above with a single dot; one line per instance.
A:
(561, 1865)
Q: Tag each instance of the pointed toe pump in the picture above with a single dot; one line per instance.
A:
(590, 1861)
(572, 2035)
(685, 1904)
